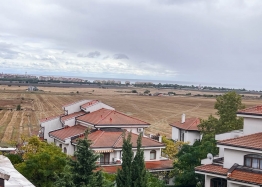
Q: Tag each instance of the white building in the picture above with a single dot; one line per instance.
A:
(186, 130)
(107, 128)
(239, 163)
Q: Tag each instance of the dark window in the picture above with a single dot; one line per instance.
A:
(153, 155)
(104, 158)
(60, 145)
(253, 161)
(218, 182)
(65, 150)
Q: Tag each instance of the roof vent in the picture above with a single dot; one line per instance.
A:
(183, 118)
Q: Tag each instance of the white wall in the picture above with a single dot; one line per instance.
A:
(51, 125)
(191, 136)
(98, 106)
(69, 147)
(134, 130)
(147, 154)
(233, 156)
(75, 107)
(175, 133)
(70, 122)
(252, 125)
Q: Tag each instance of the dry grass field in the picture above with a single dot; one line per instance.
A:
(158, 111)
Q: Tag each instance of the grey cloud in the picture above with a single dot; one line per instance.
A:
(120, 56)
(90, 54)
(198, 39)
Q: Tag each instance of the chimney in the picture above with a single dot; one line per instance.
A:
(160, 139)
(183, 118)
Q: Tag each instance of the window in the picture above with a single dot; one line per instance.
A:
(153, 155)
(60, 145)
(218, 182)
(253, 161)
(65, 150)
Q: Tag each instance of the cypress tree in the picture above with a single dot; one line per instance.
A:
(123, 178)
(139, 175)
(85, 163)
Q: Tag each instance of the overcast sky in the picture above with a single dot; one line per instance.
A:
(200, 41)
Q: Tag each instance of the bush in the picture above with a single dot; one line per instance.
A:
(146, 92)
(15, 158)
(134, 91)
(18, 107)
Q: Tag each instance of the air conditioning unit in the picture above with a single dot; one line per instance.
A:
(114, 159)
(140, 129)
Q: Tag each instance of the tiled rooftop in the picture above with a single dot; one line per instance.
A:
(50, 118)
(90, 103)
(252, 141)
(189, 124)
(67, 132)
(150, 165)
(114, 139)
(106, 117)
(212, 168)
(256, 110)
(246, 177)
(73, 115)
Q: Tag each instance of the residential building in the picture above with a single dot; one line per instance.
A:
(107, 127)
(186, 130)
(239, 163)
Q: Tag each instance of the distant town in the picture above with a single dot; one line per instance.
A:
(22, 79)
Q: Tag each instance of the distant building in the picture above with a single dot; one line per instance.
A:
(32, 88)
(186, 130)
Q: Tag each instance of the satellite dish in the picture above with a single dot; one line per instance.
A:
(210, 156)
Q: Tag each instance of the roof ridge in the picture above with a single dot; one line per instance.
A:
(121, 136)
(98, 137)
(221, 141)
(105, 115)
(193, 123)
(132, 117)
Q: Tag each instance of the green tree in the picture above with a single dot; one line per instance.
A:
(123, 178)
(172, 148)
(186, 160)
(227, 106)
(82, 168)
(138, 175)
(154, 181)
(41, 162)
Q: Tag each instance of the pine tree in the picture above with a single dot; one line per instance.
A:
(123, 178)
(139, 175)
(84, 165)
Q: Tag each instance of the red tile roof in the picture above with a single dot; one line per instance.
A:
(73, 115)
(246, 177)
(256, 110)
(86, 105)
(106, 117)
(150, 165)
(212, 168)
(67, 132)
(50, 118)
(109, 139)
(190, 124)
(252, 141)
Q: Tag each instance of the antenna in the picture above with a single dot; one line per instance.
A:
(209, 156)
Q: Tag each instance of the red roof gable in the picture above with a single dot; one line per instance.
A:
(256, 110)
(86, 105)
(73, 115)
(150, 165)
(114, 139)
(212, 168)
(252, 141)
(246, 177)
(50, 118)
(190, 124)
(106, 117)
(67, 132)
